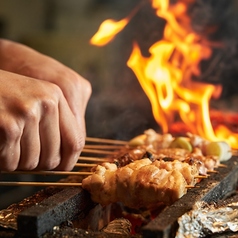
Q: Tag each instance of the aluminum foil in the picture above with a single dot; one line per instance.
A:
(206, 219)
(118, 228)
(8, 216)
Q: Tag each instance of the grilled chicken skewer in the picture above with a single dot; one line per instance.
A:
(140, 184)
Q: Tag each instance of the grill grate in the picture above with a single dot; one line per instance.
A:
(70, 202)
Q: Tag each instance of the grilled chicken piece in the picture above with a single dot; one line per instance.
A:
(128, 155)
(189, 172)
(141, 184)
(194, 158)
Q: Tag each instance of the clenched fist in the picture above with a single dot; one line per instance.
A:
(42, 107)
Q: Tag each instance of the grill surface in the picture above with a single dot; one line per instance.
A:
(70, 202)
(61, 207)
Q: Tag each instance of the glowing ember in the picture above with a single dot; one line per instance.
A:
(166, 76)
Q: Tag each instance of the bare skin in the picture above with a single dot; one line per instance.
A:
(42, 107)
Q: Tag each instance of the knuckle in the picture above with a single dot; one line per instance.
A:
(66, 167)
(84, 85)
(50, 91)
(52, 164)
(54, 90)
(50, 99)
(70, 156)
(49, 164)
(9, 131)
(75, 80)
(30, 114)
(87, 87)
(49, 105)
(28, 166)
(76, 145)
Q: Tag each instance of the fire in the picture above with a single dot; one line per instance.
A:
(166, 76)
(107, 31)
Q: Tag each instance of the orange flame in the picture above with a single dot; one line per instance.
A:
(107, 31)
(166, 76)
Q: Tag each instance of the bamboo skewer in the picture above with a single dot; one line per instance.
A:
(222, 165)
(41, 184)
(192, 186)
(94, 159)
(106, 147)
(201, 176)
(212, 171)
(109, 147)
(105, 152)
(110, 141)
(49, 172)
(85, 165)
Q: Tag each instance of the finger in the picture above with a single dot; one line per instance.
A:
(30, 141)
(72, 137)
(77, 92)
(76, 89)
(49, 135)
(10, 134)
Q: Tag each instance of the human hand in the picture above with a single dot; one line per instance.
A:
(42, 115)
(20, 59)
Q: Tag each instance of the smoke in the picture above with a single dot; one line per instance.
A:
(218, 22)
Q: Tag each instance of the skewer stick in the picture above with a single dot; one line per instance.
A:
(192, 186)
(93, 159)
(40, 184)
(85, 165)
(201, 176)
(110, 147)
(101, 140)
(105, 152)
(212, 171)
(49, 172)
(222, 165)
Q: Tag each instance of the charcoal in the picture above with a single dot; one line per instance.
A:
(63, 206)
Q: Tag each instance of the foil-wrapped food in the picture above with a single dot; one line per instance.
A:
(205, 219)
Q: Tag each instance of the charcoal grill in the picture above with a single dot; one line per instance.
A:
(56, 205)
